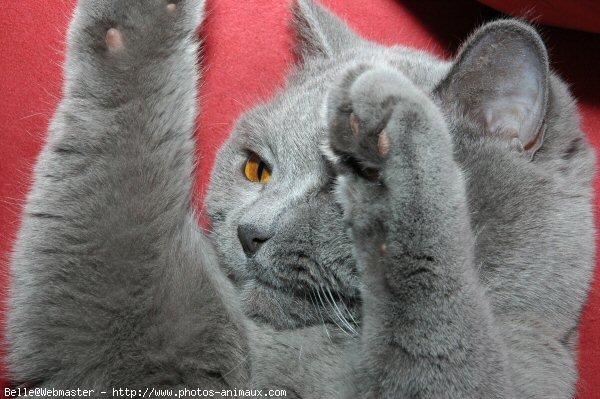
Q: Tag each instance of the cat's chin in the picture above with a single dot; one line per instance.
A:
(283, 310)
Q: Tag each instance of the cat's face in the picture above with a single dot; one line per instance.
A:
(283, 241)
(276, 224)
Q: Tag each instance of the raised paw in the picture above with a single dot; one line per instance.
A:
(392, 151)
(135, 26)
(401, 191)
(376, 117)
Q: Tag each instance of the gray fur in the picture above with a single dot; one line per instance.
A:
(454, 265)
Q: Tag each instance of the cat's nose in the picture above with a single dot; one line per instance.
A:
(251, 238)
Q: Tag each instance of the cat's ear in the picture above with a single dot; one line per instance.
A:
(500, 80)
(320, 32)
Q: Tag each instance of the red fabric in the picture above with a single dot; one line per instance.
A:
(247, 51)
(580, 14)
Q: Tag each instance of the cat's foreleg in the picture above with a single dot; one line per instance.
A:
(427, 328)
(113, 285)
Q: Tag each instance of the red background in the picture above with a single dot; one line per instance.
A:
(247, 52)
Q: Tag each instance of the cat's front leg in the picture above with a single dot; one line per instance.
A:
(113, 283)
(427, 328)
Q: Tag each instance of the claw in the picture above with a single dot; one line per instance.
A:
(383, 249)
(383, 144)
(354, 125)
(114, 39)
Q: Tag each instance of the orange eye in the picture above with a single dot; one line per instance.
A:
(256, 170)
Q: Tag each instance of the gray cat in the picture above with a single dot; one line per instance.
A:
(389, 225)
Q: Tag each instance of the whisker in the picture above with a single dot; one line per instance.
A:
(331, 306)
(339, 312)
(347, 310)
(305, 304)
(236, 366)
(325, 307)
(320, 315)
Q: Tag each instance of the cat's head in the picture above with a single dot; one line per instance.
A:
(276, 225)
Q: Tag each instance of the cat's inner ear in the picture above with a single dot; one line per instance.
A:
(500, 80)
(319, 31)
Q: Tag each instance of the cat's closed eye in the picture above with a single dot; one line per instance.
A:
(257, 170)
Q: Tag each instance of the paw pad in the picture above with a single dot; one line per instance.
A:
(114, 39)
(171, 7)
(383, 249)
(383, 143)
(354, 125)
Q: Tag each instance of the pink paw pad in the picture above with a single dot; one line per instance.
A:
(171, 7)
(383, 250)
(114, 39)
(383, 144)
(354, 125)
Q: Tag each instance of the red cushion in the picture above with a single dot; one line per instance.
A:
(247, 51)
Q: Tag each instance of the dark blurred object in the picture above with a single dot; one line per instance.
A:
(578, 14)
